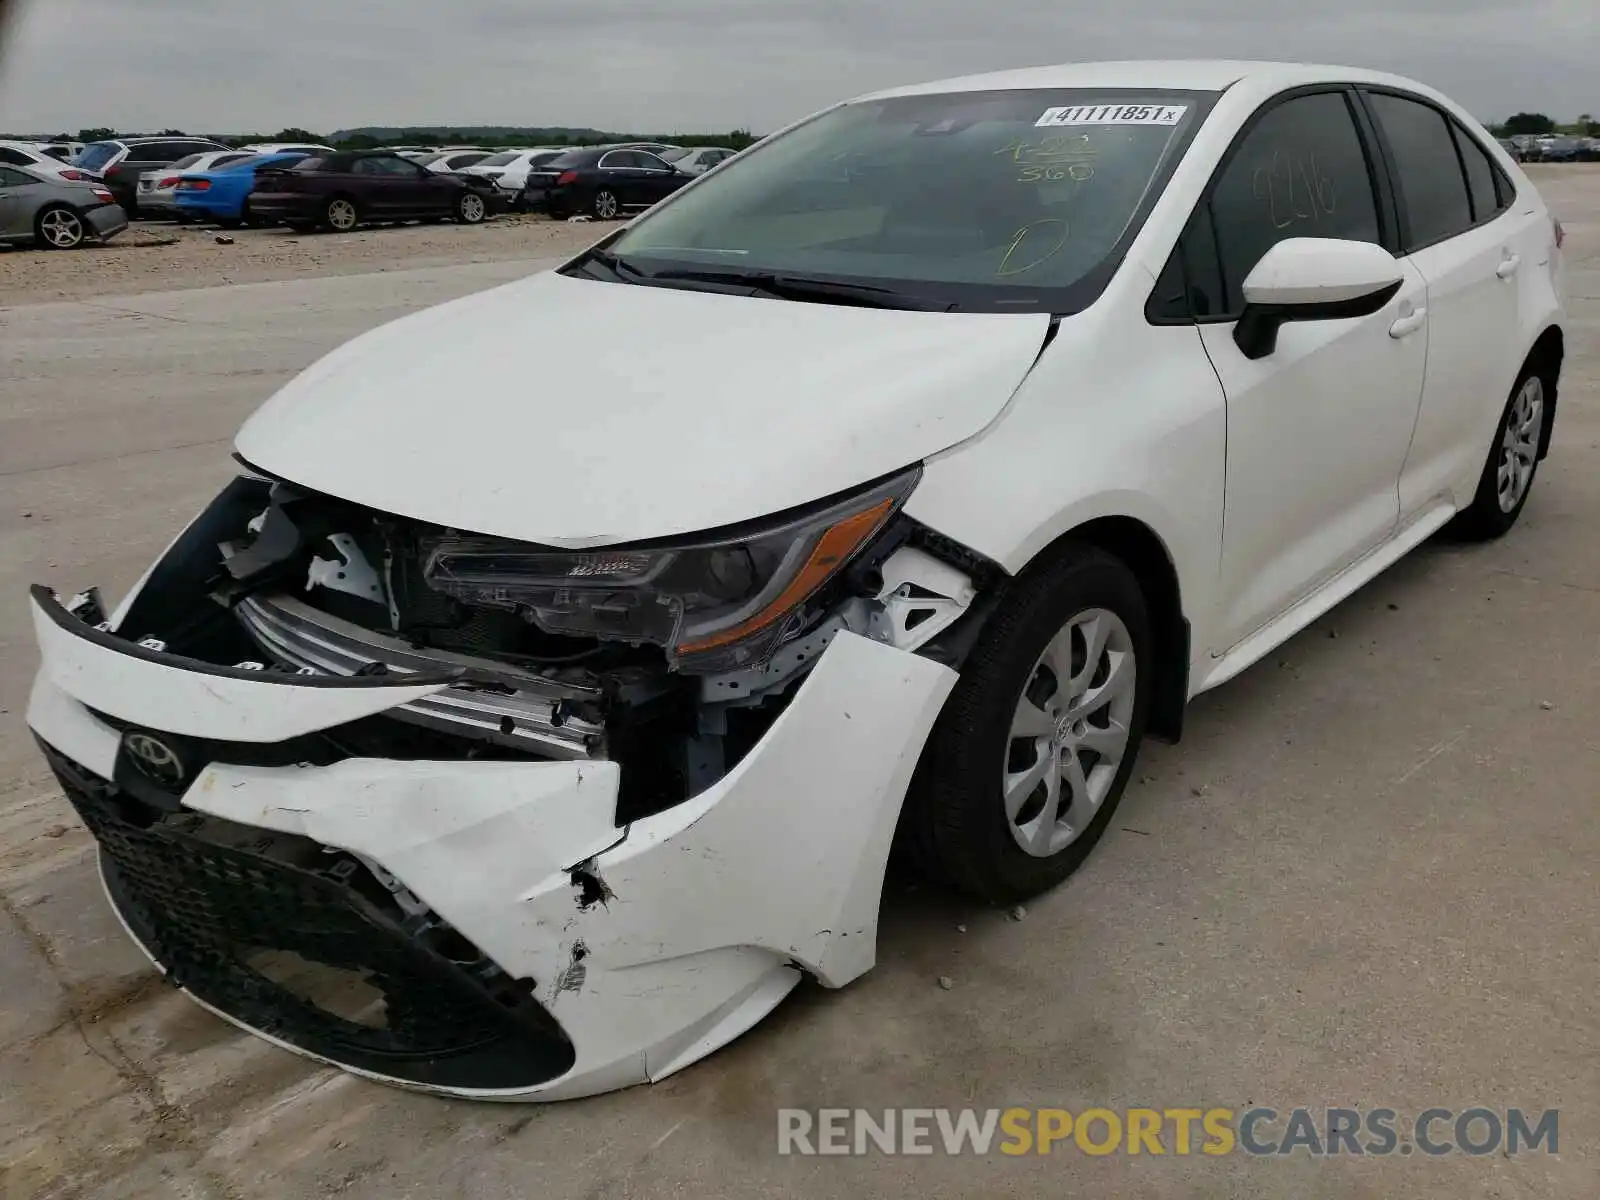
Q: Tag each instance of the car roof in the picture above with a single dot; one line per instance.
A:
(1199, 75)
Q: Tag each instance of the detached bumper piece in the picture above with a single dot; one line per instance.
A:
(305, 944)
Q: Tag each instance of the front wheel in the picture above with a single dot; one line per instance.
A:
(60, 228)
(605, 205)
(1513, 461)
(341, 215)
(470, 209)
(1031, 754)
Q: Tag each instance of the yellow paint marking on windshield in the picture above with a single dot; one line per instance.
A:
(1021, 238)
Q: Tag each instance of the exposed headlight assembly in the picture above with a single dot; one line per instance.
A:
(713, 603)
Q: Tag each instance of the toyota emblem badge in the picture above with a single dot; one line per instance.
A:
(154, 759)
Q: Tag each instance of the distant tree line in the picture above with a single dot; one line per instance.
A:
(1537, 124)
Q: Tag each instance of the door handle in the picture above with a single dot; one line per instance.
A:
(1508, 267)
(1409, 323)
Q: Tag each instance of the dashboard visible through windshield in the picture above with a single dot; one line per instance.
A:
(980, 200)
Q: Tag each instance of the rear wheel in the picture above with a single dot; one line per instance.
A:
(1035, 745)
(1513, 461)
(605, 205)
(60, 228)
(470, 208)
(341, 214)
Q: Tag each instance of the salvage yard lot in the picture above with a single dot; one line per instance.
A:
(157, 256)
(1367, 876)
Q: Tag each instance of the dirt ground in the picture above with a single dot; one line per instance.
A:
(1366, 878)
(153, 256)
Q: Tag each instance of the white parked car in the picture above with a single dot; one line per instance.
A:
(32, 156)
(509, 168)
(576, 723)
(288, 148)
(158, 188)
(696, 160)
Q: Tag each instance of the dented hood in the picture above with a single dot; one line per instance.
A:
(574, 412)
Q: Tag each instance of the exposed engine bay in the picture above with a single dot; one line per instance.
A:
(671, 659)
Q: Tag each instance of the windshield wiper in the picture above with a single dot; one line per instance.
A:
(795, 287)
(614, 263)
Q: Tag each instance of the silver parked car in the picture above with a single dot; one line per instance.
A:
(57, 214)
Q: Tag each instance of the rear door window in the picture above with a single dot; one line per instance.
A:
(1482, 186)
(1431, 182)
(10, 178)
(14, 157)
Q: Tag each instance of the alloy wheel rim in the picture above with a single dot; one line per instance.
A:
(606, 203)
(62, 228)
(342, 214)
(1519, 444)
(472, 208)
(1069, 732)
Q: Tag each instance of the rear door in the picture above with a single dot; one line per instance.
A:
(1465, 230)
(1318, 429)
(621, 173)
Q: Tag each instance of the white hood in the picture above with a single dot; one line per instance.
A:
(575, 412)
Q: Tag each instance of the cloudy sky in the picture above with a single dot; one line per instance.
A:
(663, 65)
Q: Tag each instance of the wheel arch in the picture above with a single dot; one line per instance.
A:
(1136, 544)
(1547, 354)
(1144, 552)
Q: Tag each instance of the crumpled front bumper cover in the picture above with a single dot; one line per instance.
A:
(614, 956)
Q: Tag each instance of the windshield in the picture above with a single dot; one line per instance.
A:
(97, 155)
(675, 153)
(500, 160)
(993, 200)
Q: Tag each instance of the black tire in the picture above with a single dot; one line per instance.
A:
(471, 208)
(1486, 517)
(954, 827)
(341, 214)
(604, 205)
(60, 227)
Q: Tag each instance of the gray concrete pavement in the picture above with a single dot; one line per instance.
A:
(1368, 877)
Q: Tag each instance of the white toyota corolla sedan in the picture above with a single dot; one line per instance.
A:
(528, 746)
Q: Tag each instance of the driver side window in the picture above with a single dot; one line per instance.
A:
(1301, 170)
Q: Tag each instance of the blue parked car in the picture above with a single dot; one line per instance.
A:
(223, 195)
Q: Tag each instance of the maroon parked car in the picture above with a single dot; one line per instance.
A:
(340, 191)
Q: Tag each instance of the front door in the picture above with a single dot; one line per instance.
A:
(1317, 430)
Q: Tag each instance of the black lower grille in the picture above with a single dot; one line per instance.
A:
(303, 943)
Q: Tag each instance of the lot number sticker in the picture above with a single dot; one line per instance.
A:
(1113, 114)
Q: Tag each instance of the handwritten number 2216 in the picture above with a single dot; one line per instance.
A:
(1294, 189)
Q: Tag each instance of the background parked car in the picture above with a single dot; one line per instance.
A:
(1558, 149)
(61, 151)
(119, 162)
(509, 169)
(445, 161)
(604, 181)
(696, 160)
(340, 191)
(221, 193)
(156, 187)
(287, 148)
(22, 154)
(55, 213)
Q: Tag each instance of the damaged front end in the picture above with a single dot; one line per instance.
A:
(498, 819)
